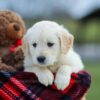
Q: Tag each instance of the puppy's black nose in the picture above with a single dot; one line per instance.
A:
(41, 59)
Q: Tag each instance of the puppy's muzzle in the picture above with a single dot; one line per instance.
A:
(41, 59)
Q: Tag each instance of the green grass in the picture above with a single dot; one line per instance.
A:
(94, 91)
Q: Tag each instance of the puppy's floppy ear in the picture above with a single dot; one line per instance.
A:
(25, 45)
(66, 41)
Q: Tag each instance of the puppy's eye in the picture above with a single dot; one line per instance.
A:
(34, 45)
(50, 44)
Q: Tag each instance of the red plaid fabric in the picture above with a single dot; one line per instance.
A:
(13, 89)
(25, 86)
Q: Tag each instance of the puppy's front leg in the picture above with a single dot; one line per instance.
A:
(44, 75)
(63, 77)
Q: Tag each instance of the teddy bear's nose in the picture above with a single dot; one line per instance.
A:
(16, 27)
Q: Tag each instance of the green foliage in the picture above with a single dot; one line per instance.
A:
(84, 32)
(91, 32)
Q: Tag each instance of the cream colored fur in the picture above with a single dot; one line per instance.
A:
(61, 58)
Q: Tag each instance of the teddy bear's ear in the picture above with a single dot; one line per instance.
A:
(66, 41)
(14, 31)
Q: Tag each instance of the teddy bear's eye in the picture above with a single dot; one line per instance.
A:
(50, 44)
(35, 45)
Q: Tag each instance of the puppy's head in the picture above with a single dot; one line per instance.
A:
(45, 42)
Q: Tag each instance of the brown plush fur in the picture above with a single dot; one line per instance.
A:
(12, 27)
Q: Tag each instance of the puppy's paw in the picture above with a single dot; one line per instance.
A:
(46, 78)
(62, 81)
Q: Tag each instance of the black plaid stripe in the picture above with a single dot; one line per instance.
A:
(28, 95)
(5, 76)
(37, 89)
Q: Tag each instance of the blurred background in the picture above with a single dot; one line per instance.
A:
(80, 17)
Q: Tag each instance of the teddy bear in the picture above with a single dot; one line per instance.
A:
(12, 29)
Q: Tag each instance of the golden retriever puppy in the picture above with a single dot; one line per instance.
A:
(48, 49)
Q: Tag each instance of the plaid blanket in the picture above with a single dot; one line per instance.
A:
(25, 86)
